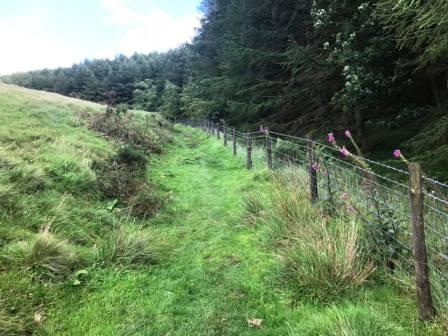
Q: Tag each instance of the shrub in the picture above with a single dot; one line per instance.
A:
(122, 108)
(145, 203)
(50, 258)
(128, 247)
(10, 325)
(149, 133)
(130, 156)
(121, 175)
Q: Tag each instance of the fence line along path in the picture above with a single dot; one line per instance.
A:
(405, 213)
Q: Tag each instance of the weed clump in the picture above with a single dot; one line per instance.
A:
(123, 178)
(144, 203)
(148, 132)
(322, 256)
(126, 247)
(27, 179)
(10, 325)
(325, 261)
(47, 257)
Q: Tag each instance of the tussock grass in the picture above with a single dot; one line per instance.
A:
(127, 247)
(10, 325)
(325, 261)
(322, 255)
(47, 257)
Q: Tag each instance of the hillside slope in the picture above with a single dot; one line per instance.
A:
(94, 241)
(60, 220)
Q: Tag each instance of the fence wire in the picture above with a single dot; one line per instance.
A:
(374, 191)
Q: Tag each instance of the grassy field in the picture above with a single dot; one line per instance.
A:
(211, 261)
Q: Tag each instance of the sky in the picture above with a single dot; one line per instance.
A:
(37, 34)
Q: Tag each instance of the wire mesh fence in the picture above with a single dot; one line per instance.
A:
(383, 197)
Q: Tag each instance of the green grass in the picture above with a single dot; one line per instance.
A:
(207, 267)
(220, 271)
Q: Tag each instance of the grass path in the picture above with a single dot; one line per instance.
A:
(215, 276)
(217, 272)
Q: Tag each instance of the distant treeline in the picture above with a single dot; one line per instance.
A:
(140, 80)
(378, 67)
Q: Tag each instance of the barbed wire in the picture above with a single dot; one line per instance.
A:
(343, 174)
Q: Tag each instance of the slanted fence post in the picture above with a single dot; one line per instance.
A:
(249, 152)
(312, 172)
(424, 297)
(269, 151)
(225, 136)
(234, 141)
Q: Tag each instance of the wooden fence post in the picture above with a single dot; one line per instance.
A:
(313, 173)
(213, 128)
(269, 151)
(218, 131)
(225, 136)
(424, 298)
(249, 152)
(234, 141)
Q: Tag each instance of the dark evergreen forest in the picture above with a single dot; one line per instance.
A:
(378, 68)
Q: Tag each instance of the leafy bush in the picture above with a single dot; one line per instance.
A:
(144, 203)
(128, 247)
(123, 177)
(149, 132)
(122, 109)
(130, 156)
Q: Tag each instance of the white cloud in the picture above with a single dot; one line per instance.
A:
(28, 44)
(119, 11)
(149, 29)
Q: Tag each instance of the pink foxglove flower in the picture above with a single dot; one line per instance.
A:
(349, 208)
(331, 138)
(397, 153)
(348, 134)
(344, 151)
(264, 130)
(315, 166)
